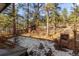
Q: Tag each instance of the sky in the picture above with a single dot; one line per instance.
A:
(68, 6)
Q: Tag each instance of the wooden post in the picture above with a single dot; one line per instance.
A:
(75, 33)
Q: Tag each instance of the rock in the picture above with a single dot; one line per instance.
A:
(49, 53)
(31, 53)
(41, 46)
(26, 54)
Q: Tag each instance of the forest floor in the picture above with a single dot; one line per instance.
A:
(52, 35)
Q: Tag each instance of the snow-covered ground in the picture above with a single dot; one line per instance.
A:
(33, 46)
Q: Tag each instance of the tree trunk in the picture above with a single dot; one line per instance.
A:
(55, 26)
(14, 22)
(38, 15)
(28, 24)
(47, 23)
